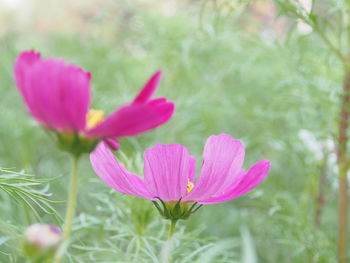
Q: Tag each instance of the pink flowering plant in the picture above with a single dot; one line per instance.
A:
(169, 176)
(58, 96)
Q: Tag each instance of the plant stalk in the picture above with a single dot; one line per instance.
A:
(168, 245)
(70, 212)
(343, 170)
(343, 219)
(320, 199)
(172, 229)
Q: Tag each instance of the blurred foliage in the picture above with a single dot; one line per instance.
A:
(24, 200)
(230, 68)
(20, 187)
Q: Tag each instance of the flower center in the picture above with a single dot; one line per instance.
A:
(94, 117)
(190, 186)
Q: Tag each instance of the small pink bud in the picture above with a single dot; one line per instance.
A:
(43, 236)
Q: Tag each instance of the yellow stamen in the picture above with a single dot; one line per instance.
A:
(94, 117)
(190, 186)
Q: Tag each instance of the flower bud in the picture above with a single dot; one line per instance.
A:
(41, 241)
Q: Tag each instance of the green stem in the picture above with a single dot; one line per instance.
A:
(70, 212)
(168, 245)
(172, 229)
(72, 198)
(336, 51)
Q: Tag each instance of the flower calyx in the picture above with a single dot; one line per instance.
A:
(176, 210)
(75, 144)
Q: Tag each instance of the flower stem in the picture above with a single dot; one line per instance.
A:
(70, 212)
(168, 245)
(172, 228)
(72, 198)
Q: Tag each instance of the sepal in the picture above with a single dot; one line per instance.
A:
(176, 210)
(75, 144)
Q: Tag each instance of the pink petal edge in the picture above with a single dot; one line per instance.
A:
(133, 119)
(115, 175)
(223, 157)
(149, 88)
(57, 94)
(256, 174)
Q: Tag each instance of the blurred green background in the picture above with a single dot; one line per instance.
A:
(230, 66)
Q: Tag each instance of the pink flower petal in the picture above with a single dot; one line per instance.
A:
(114, 173)
(23, 65)
(149, 88)
(57, 94)
(134, 119)
(112, 143)
(192, 169)
(167, 170)
(251, 179)
(222, 161)
(156, 102)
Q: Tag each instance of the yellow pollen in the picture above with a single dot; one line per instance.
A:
(190, 186)
(94, 117)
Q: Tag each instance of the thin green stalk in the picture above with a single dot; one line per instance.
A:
(336, 50)
(168, 245)
(70, 212)
(172, 229)
(72, 198)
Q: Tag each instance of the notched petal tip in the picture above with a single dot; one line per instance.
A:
(223, 157)
(28, 55)
(149, 88)
(88, 75)
(56, 93)
(222, 136)
(174, 148)
(23, 65)
(255, 175)
(56, 64)
(165, 110)
(24, 61)
(266, 164)
(261, 168)
(224, 140)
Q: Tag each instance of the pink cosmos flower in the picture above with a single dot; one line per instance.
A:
(169, 173)
(58, 96)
